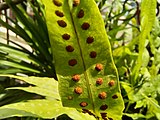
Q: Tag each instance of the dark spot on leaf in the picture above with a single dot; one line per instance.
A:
(102, 95)
(99, 67)
(57, 3)
(80, 14)
(69, 48)
(76, 2)
(99, 81)
(59, 13)
(110, 118)
(78, 90)
(89, 112)
(66, 36)
(76, 77)
(90, 40)
(72, 62)
(104, 107)
(111, 83)
(105, 118)
(85, 111)
(70, 98)
(104, 115)
(83, 104)
(93, 54)
(85, 26)
(114, 96)
(62, 23)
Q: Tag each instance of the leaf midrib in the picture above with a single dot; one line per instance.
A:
(84, 66)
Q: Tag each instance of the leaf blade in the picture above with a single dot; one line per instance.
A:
(74, 55)
(41, 108)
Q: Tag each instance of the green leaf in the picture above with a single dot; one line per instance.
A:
(34, 33)
(153, 107)
(79, 43)
(145, 96)
(30, 26)
(18, 65)
(148, 15)
(10, 71)
(135, 116)
(41, 108)
(129, 90)
(18, 30)
(40, 91)
(18, 54)
(145, 57)
(43, 85)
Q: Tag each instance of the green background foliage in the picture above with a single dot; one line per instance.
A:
(133, 31)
